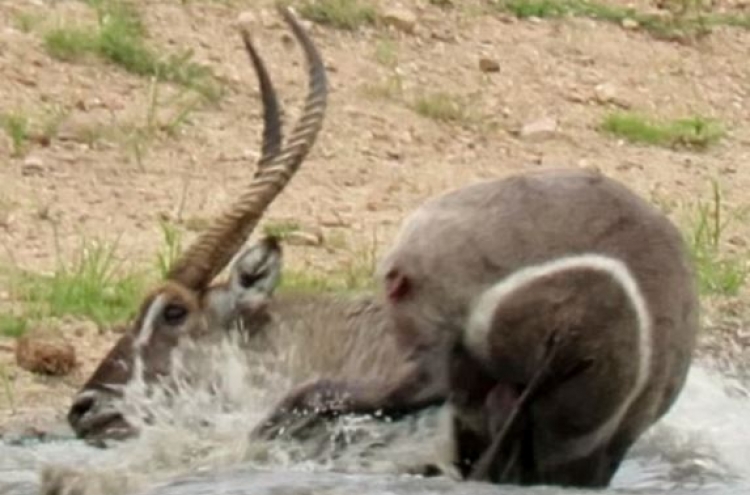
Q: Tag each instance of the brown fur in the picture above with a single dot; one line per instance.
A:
(346, 361)
(478, 235)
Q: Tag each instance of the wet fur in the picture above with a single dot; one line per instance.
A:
(486, 234)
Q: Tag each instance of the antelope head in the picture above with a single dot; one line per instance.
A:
(185, 305)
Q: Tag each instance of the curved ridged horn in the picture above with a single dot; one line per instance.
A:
(214, 249)
(272, 136)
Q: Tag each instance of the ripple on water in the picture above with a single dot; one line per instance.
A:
(198, 444)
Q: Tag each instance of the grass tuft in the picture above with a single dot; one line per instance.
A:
(119, 39)
(93, 287)
(355, 276)
(280, 229)
(25, 127)
(440, 106)
(70, 44)
(171, 248)
(12, 325)
(348, 15)
(718, 272)
(16, 126)
(687, 24)
(26, 22)
(386, 53)
(695, 132)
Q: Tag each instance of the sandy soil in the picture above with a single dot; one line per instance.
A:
(376, 158)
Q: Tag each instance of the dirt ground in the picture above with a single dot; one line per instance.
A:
(376, 158)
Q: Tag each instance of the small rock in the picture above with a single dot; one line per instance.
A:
(489, 65)
(629, 23)
(400, 18)
(539, 129)
(288, 40)
(394, 155)
(576, 97)
(304, 238)
(26, 80)
(45, 352)
(32, 166)
(334, 221)
(444, 35)
(738, 241)
(605, 93)
(246, 19)
(270, 19)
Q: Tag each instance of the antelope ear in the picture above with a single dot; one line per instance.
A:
(257, 270)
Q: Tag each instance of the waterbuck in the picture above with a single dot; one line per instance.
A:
(559, 310)
(185, 305)
(345, 339)
(555, 311)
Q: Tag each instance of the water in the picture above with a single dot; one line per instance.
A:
(197, 444)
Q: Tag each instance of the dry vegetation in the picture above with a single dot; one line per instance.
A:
(126, 125)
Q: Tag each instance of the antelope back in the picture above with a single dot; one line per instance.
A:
(332, 336)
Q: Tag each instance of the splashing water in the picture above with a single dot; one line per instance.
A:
(202, 428)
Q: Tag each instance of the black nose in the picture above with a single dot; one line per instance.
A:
(80, 407)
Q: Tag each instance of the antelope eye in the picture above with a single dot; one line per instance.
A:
(175, 314)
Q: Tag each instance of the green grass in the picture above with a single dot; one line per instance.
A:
(390, 88)
(16, 126)
(94, 286)
(442, 3)
(70, 44)
(690, 24)
(12, 325)
(386, 53)
(347, 15)
(718, 272)
(354, 276)
(26, 22)
(119, 39)
(440, 106)
(26, 127)
(139, 136)
(280, 229)
(694, 132)
(171, 247)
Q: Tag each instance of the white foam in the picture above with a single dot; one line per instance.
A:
(704, 440)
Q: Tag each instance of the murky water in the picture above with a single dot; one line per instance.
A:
(198, 444)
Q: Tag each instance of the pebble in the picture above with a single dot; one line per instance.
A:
(489, 65)
(400, 18)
